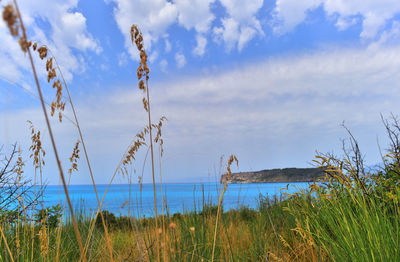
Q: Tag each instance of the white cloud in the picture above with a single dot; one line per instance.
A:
(156, 16)
(11, 57)
(153, 56)
(374, 14)
(247, 33)
(72, 31)
(273, 113)
(167, 46)
(195, 14)
(201, 45)
(388, 37)
(289, 13)
(67, 29)
(229, 32)
(180, 60)
(153, 18)
(241, 25)
(122, 59)
(345, 22)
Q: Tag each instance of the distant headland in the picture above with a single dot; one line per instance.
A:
(276, 175)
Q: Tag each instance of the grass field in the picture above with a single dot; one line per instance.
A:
(352, 216)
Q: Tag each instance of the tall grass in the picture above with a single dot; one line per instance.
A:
(352, 215)
(14, 21)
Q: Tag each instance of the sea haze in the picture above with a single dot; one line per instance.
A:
(178, 197)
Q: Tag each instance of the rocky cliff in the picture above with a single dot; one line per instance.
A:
(276, 175)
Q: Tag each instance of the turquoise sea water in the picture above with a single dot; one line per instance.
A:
(178, 197)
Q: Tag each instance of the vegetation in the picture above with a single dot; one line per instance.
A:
(352, 215)
(285, 175)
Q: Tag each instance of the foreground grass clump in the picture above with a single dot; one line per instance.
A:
(354, 215)
(243, 235)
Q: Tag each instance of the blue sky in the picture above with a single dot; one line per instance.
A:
(269, 81)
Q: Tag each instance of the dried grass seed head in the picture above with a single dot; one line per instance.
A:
(158, 127)
(11, 18)
(24, 44)
(58, 104)
(145, 104)
(19, 169)
(143, 69)
(49, 64)
(74, 158)
(42, 52)
(38, 152)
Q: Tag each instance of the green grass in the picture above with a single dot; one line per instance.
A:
(316, 224)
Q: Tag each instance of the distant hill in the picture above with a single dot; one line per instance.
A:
(276, 175)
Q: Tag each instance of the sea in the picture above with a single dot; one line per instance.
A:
(138, 200)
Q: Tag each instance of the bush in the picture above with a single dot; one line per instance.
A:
(109, 218)
(50, 216)
(211, 210)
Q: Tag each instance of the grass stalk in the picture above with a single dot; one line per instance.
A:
(78, 236)
(6, 244)
(109, 246)
(231, 159)
(152, 173)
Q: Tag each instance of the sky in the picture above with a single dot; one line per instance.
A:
(269, 81)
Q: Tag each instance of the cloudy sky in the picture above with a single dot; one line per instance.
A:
(268, 81)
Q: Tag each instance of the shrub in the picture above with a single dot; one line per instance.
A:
(51, 216)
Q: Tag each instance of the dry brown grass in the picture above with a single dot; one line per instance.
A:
(14, 20)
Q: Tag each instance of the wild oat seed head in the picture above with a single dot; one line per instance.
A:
(143, 70)
(141, 85)
(130, 155)
(158, 128)
(53, 108)
(74, 158)
(24, 44)
(49, 64)
(36, 148)
(58, 104)
(42, 52)
(10, 17)
(145, 104)
(19, 169)
(34, 46)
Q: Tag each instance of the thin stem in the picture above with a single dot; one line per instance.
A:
(152, 171)
(88, 163)
(216, 223)
(162, 197)
(5, 242)
(78, 235)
